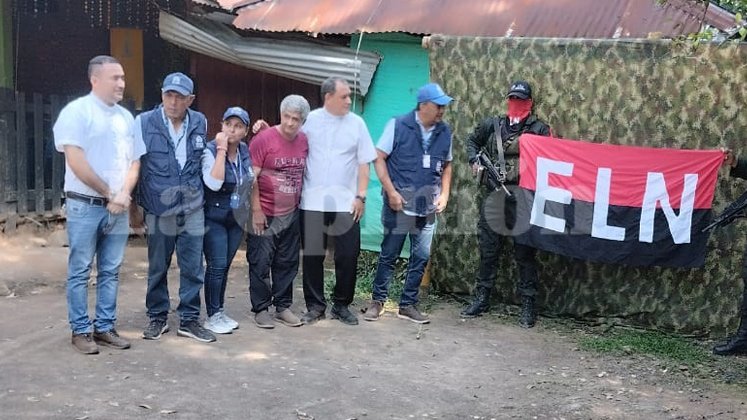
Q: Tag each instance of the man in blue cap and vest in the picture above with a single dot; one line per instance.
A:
(414, 167)
(171, 193)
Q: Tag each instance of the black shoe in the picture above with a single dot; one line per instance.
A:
(480, 304)
(193, 329)
(312, 316)
(736, 345)
(155, 328)
(342, 313)
(527, 317)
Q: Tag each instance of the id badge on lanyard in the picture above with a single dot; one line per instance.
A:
(426, 161)
(235, 200)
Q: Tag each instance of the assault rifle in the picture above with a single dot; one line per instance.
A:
(733, 211)
(494, 178)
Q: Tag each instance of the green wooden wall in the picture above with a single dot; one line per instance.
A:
(6, 45)
(403, 69)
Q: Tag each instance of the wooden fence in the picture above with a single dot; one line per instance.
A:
(31, 170)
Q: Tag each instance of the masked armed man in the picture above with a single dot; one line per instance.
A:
(498, 208)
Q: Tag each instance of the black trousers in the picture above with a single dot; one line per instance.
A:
(497, 218)
(273, 262)
(317, 228)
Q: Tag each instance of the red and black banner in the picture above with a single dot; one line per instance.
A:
(615, 204)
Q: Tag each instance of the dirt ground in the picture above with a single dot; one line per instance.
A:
(391, 369)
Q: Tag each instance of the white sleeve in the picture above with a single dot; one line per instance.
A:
(138, 146)
(208, 161)
(70, 127)
(366, 150)
(386, 141)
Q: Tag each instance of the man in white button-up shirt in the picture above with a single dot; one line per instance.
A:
(102, 160)
(333, 199)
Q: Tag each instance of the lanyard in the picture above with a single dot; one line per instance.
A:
(234, 168)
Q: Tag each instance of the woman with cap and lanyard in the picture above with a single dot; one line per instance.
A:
(227, 175)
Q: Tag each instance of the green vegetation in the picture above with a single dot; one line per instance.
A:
(364, 286)
(653, 343)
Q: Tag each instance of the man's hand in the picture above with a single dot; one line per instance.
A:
(115, 208)
(259, 222)
(357, 209)
(118, 203)
(729, 158)
(475, 168)
(259, 125)
(441, 203)
(395, 200)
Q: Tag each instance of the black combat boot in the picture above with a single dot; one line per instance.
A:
(480, 303)
(527, 317)
(738, 343)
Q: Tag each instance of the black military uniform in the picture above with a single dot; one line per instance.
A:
(498, 210)
(738, 343)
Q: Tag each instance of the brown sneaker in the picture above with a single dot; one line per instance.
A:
(374, 311)
(111, 339)
(84, 343)
(411, 313)
(263, 319)
(288, 318)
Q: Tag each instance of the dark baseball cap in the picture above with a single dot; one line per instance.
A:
(520, 89)
(238, 112)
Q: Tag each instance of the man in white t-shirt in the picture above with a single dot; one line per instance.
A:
(333, 199)
(102, 165)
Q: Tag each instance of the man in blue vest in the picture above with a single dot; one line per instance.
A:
(171, 193)
(414, 167)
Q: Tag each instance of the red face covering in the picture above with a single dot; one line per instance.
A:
(518, 109)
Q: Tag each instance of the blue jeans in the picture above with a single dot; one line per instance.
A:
(222, 239)
(183, 233)
(93, 231)
(397, 226)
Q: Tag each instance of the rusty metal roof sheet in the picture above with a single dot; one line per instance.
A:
(530, 18)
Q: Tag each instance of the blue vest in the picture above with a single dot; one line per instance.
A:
(222, 197)
(418, 186)
(164, 190)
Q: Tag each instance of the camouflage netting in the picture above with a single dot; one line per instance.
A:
(648, 93)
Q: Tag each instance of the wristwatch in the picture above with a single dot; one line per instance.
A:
(362, 198)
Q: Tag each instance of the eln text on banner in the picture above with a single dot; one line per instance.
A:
(615, 204)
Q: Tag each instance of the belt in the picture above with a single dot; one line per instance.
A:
(94, 201)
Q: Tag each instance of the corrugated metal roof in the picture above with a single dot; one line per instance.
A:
(306, 61)
(530, 18)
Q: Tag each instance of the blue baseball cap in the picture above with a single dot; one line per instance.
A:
(238, 112)
(432, 92)
(178, 82)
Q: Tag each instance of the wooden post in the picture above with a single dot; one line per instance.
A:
(58, 164)
(22, 196)
(39, 154)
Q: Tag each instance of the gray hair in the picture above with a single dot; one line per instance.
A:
(329, 85)
(100, 60)
(295, 103)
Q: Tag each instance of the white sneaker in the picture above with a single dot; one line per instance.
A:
(215, 324)
(229, 321)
